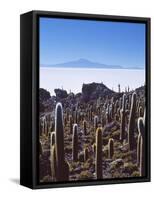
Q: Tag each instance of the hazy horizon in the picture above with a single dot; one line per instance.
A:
(73, 78)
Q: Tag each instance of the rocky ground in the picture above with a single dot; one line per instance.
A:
(123, 162)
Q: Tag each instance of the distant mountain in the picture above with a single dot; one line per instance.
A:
(84, 63)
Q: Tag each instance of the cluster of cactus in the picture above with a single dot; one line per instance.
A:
(46, 125)
(84, 121)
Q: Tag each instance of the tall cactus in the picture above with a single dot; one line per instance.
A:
(98, 165)
(52, 138)
(71, 124)
(119, 89)
(59, 141)
(91, 113)
(122, 125)
(138, 149)
(131, 125)
(85, 127)
(110, 148)
(86, 152)
(95, 123)
(40, 128)
(141, 146)
(76, 116)
(67, 113)
(40, 148)
(53, 163)
(75, 143)
(144, 116)
(142, 158)
(116, 106)
(66, 170)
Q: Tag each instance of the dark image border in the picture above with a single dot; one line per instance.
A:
(35, 98)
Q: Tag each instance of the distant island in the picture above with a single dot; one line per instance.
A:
(85, 63)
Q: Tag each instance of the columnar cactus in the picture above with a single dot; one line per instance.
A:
(144, 116)
(127, 105)
(59, 142)
(53, 163)
(123, 116)
(142, 158)
(51, 126)
(141, 146)
(138, 149)
(119, 90)
(40, 148)
(95, 123)
(129, 101)
(131, 125)
(128, 89)
(40, 127)
(75, 143)
(91, 114)
(120, 103)
(66, 170)
(110, 148)
(67, 114)
(46, 127)
(94, 148)
(112, 110)
(52, 138)
(85, 127)
(98, 165)
(140, 114)
(76, 116)
(86, 152)
(103, 119)
(71, 124)
(116, 106)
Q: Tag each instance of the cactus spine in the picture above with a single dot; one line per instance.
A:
(98, 164)
(131, 125)
(75, 143)
(110, 148)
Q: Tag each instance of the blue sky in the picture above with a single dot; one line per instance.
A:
(112, 43)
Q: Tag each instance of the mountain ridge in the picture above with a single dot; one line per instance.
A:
(85, 63)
